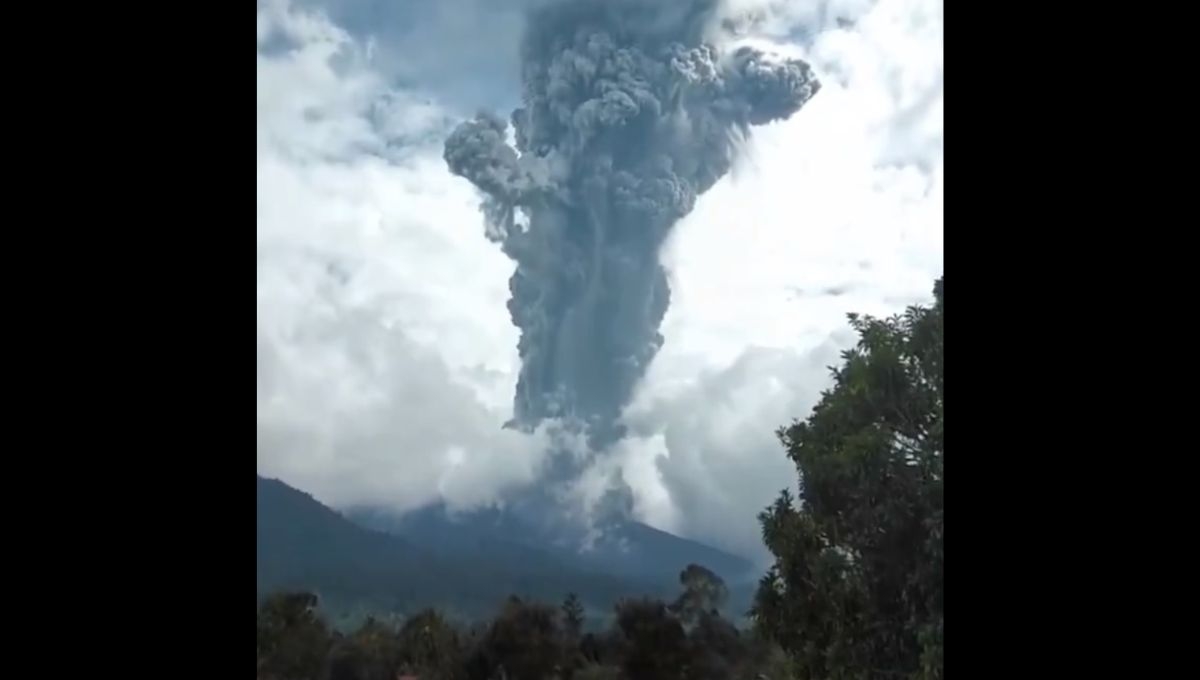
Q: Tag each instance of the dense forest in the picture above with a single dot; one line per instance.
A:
(855, 591)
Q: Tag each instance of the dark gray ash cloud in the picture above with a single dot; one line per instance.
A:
(627, 116)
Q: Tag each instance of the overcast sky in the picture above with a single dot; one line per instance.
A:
(386, 357)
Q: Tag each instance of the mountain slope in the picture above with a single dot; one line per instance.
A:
(631, 551)
(302, 544)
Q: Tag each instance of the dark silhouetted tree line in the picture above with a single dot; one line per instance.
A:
(854, 593)
(648, 639)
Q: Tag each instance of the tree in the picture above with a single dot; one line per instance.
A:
(855, 590)
(292, 640)
(430, 647)
(524, 641)
(572, 610)
(573, 657)
(703, 593)
(715, 648)
(654, 642)
(371, 653)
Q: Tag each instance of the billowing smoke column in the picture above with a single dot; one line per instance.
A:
(627, 117)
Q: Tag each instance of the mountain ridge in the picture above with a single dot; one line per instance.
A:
(625, 548)
(381, 561)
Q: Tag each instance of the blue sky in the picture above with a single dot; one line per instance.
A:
(386, 358)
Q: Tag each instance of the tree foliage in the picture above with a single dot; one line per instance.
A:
(653, 639)
(572, 611)
(430, 647)
(525, 641)
(293, 641)
(855, 591)
(647, 640)
(704, 593)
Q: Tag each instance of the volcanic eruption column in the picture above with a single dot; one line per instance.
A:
(627, 116)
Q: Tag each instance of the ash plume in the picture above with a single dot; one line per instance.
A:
(627, 116)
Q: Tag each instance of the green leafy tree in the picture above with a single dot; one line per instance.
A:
(716, 649)
(524, 642)
(855, 591)
(430, 647)
(704, 593)
(293, 641)
(371, 653)
(654, 643)
(769, 661)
